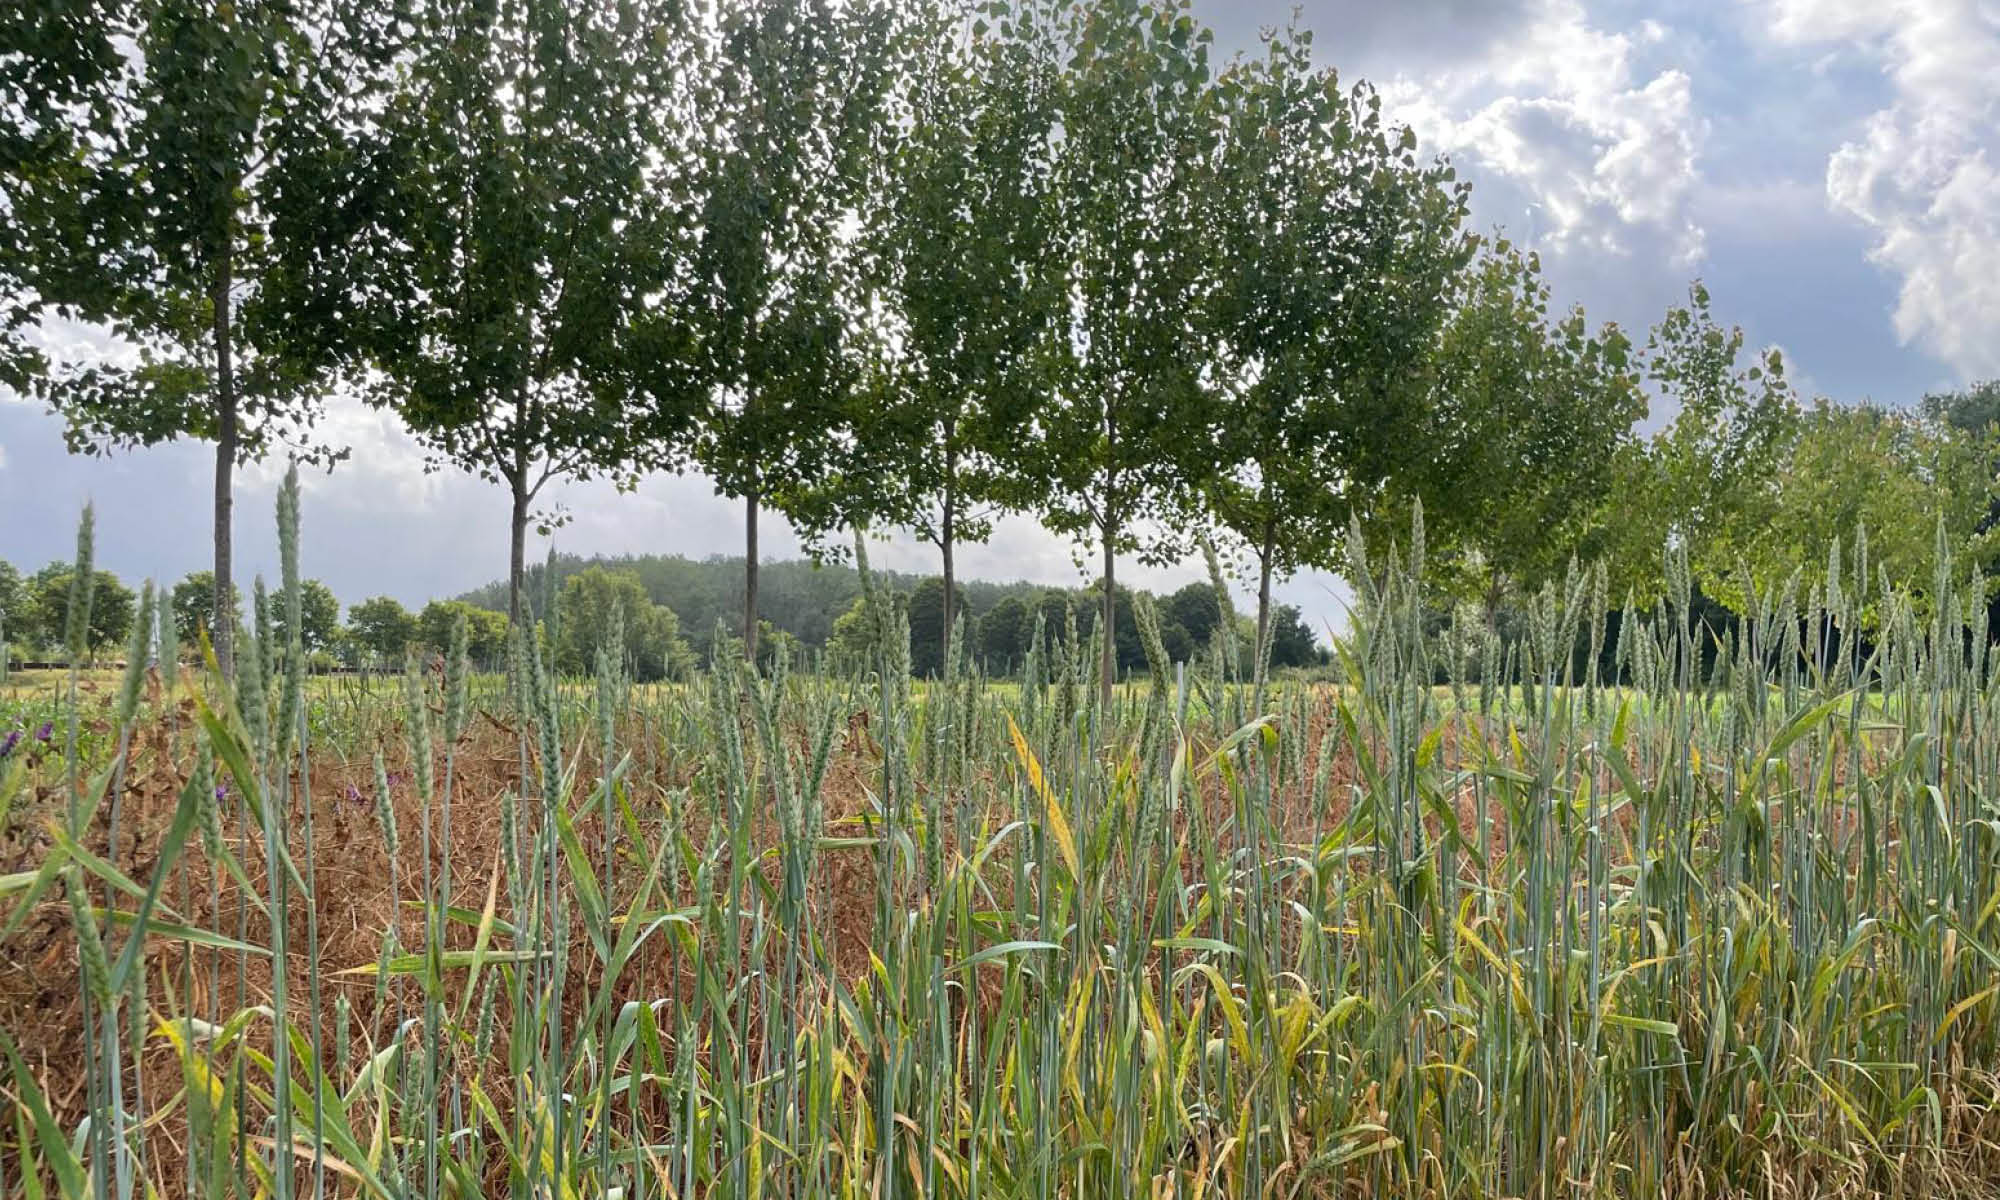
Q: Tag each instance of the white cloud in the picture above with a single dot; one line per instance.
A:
(1601, 154)
(384, 470)
(1923, 173)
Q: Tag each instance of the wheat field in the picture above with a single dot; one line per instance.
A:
(1719, 923)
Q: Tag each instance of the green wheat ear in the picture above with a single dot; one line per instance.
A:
(385, 811)
(291, 654)
(208, 818)
(169, 646)
(82, 583)
(137, 647)
(417, 725)
(253, 680)
(90, 942)
(458, 676)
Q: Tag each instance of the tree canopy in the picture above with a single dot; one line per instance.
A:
(485, 630)
(1530, 417)
(381, 628)
(1112, 446)
(1709, 479)
(47, 604)
(599, 600)
(527, 233)
(799, 87)
(181, 175)
(958, 276)
(1336, 252)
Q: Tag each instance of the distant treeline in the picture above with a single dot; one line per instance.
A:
(805, 603)
(669, 608)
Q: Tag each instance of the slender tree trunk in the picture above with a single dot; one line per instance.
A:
(517, 548)
(1264, 553)
(946, 532)
(1107, 661)
(750, 578)
(1109, 512)
(227, 435)
(1494, 590)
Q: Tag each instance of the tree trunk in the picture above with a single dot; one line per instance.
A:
(750, 578)
(517, 548)
(223, 635)
(1262, 669)
(1107, 661)
(945, 532)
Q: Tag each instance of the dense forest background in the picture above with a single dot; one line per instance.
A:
(811, 606)
(673, 608)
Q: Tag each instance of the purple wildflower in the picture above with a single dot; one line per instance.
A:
(221, 791)
(7, 747)
(353, 794)
(42, 734)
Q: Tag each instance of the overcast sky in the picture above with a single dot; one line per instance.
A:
(1831, 169)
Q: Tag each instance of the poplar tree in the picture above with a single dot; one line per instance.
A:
(1337, 247)
(1709, 479)
(1120, 434)
(1533, 412)
(535, 233)
(797, 105)
(956, 260)
(188, 181)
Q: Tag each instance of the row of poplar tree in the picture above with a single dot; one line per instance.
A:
(905, 263)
